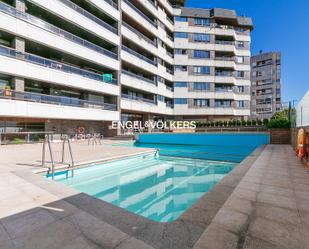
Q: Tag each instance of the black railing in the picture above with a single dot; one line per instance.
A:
(9, 52)
(49, 27)
(55, 100)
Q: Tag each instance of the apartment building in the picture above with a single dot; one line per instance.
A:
(212, 64)
(266, 85)
(66, 64)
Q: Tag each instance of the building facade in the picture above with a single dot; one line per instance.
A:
(66, 64)
(265, 85)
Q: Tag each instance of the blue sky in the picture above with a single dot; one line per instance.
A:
(280, 25)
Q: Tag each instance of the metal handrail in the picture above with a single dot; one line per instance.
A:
(127, 96)
(142, 57)
(139, 77)
(55, 100)
(89, 15)
(7, 9)
(6, 51)
(140, 13)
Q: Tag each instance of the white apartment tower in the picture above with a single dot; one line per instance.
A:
(66, 64)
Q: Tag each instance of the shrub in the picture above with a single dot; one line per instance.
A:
(244, 123)
(265, 121)
(225, 123)
(278, 124)
(249, 122)
(259, 122)
(230, 123)
(253, 122)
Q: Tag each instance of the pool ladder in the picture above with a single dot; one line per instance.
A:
(51, 169)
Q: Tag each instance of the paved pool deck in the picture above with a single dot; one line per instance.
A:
(262, 204)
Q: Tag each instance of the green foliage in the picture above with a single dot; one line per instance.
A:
(278, 124)
(283, 115)
(18, 141)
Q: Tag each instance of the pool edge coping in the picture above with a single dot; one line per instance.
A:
(156, 234)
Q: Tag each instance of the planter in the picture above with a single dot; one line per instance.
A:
(280, 136)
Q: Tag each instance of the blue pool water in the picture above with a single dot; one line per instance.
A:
(232, 147)
(158, 188)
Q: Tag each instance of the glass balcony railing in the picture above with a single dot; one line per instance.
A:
(223, 89)
(140, 13)
(220, 42)
(49, 27)
(9, 52)
(140, 56)
(89, 15)
(139, 77)
(132, 97)
(224, 74)
(139, 33)
(55, 100)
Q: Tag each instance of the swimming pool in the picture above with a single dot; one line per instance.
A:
(159, 188)
(232, 147)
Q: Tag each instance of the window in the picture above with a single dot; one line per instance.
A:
(201, 54)
(180, 68)
(240, 103)
(241, 44)
(181, 19)
(201, 86)
(201, 37)
(181, 35)
(240, 74)
(241, 29)
(181, 84)
(201, 102)
(180, 51)
(223, 103)
(161, 98)
(201, 70)
(240, 59)
(201, 21)
(240, 89)
(180, 101)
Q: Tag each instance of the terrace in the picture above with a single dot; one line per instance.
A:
(262, 203)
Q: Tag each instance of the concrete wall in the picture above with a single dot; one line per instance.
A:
(302, 112)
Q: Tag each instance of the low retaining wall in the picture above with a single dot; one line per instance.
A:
(280, 136)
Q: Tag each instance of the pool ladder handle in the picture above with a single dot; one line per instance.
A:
(65, 139)
(157, 153)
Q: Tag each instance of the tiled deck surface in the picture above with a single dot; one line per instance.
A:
(268, 208)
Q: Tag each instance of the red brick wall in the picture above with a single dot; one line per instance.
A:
(280, 136)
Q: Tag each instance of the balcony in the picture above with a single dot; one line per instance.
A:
(221, 42)
(140, 99)
(139, 77)
(139, 34)
(28, 105)
(112, 3)
(140, 13)
(55, 30)
(55, 100)
(138, 55)
(12, 53)
(224, 74)
(89, 15)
